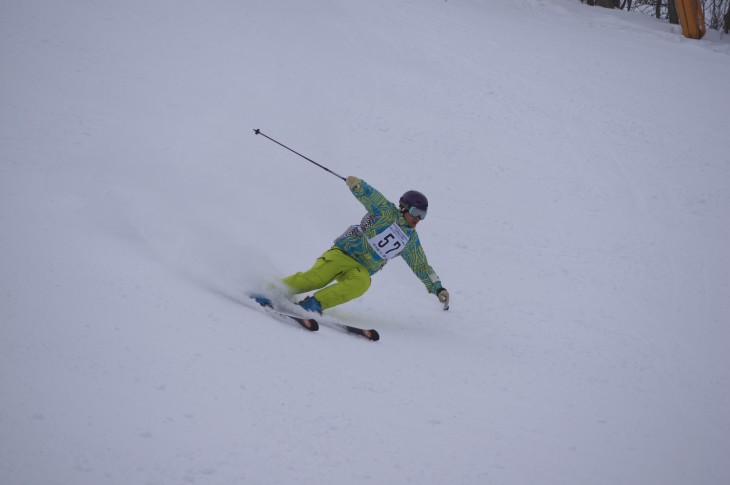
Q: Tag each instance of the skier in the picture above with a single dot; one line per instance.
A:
(386, 231)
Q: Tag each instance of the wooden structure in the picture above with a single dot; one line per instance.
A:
(692, 18)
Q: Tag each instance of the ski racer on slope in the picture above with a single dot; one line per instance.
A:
(386, 231)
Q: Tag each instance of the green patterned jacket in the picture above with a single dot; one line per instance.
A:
(384, 234)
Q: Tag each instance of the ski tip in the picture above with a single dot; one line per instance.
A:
(370, 334)
(308, 323)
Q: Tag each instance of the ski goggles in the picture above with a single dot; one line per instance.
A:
(416, 212)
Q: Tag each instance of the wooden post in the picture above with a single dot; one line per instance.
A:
(692, 18)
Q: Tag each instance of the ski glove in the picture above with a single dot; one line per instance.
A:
(353, 182)
(443, 296)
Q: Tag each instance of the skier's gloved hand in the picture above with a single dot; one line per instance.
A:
(443, 296)
(353, 182)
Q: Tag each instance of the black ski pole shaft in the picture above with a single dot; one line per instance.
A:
(259, 132)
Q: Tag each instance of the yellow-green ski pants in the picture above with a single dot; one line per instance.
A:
(353, 279)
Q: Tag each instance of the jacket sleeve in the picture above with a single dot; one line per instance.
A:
(415, 257)
(373, 201)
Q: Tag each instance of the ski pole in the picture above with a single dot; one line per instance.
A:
(259, 132)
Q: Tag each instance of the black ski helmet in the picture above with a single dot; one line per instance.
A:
(413, 198)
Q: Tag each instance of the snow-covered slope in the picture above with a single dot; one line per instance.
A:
(576, 162)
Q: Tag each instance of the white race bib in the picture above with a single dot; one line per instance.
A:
(389, 243)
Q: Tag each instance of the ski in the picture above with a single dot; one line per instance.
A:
(368, 333)
(308, 323)
(312, 324)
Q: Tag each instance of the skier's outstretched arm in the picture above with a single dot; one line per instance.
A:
(370, 198)
(416, 260)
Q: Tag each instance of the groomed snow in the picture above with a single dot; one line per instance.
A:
(577, 163)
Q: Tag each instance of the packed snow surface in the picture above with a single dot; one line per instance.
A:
(577, 163)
